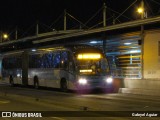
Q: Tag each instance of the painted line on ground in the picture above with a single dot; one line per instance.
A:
(4, 101)
(58, 118)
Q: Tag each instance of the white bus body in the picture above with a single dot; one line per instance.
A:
(76, 68)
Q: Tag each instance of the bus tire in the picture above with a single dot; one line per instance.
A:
(11, 81)
(63, 85)
(36, 82)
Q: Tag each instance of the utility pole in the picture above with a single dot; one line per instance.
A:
(37, 28)
(114, 20)
(16, 33)
(1, 37)
(104, 25)
(65, 20)
(142, 40)
(142, 6)
(104, 15)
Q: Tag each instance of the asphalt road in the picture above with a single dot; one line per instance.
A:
(53, 104)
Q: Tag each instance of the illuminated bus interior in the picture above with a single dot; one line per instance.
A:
(92, 64)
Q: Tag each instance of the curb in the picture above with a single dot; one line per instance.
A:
(139, 91)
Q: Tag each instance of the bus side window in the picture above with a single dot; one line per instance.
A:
(35, 61)
(56, 59)
(12, 62)
(64, 59)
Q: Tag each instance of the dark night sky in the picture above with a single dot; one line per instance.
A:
(25, 13)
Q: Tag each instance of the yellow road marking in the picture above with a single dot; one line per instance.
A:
(4, 101)
(58, 118)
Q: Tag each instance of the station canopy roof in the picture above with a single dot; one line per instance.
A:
(69, 36)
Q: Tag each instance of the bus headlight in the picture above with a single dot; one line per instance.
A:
(18, 75)
(109, 80)
(82, 81)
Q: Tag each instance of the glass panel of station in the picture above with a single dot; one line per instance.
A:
(124, 56)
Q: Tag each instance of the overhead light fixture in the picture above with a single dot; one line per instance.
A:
(134, 47)
(33, 50)
(93, 42)
(127, 43)
(135, 51)
(140, 10)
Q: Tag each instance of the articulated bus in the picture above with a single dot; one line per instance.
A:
(75, 67)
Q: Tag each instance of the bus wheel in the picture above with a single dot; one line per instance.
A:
(11, 81)
(64, 87)
(36, 83)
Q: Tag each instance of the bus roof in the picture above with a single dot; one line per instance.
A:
(78, 48)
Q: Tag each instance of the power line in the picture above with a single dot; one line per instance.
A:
(46, 26)
(96, 25)
(126, 9)
(76, 19)
(93, 16)
(57, 19)
(118, 13)
(156, 2)
(27, 30)
(100, 23)
(149, 7)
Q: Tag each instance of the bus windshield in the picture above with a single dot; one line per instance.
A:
(92, 64)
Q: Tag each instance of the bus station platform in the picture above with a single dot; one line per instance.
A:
(141, 86)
